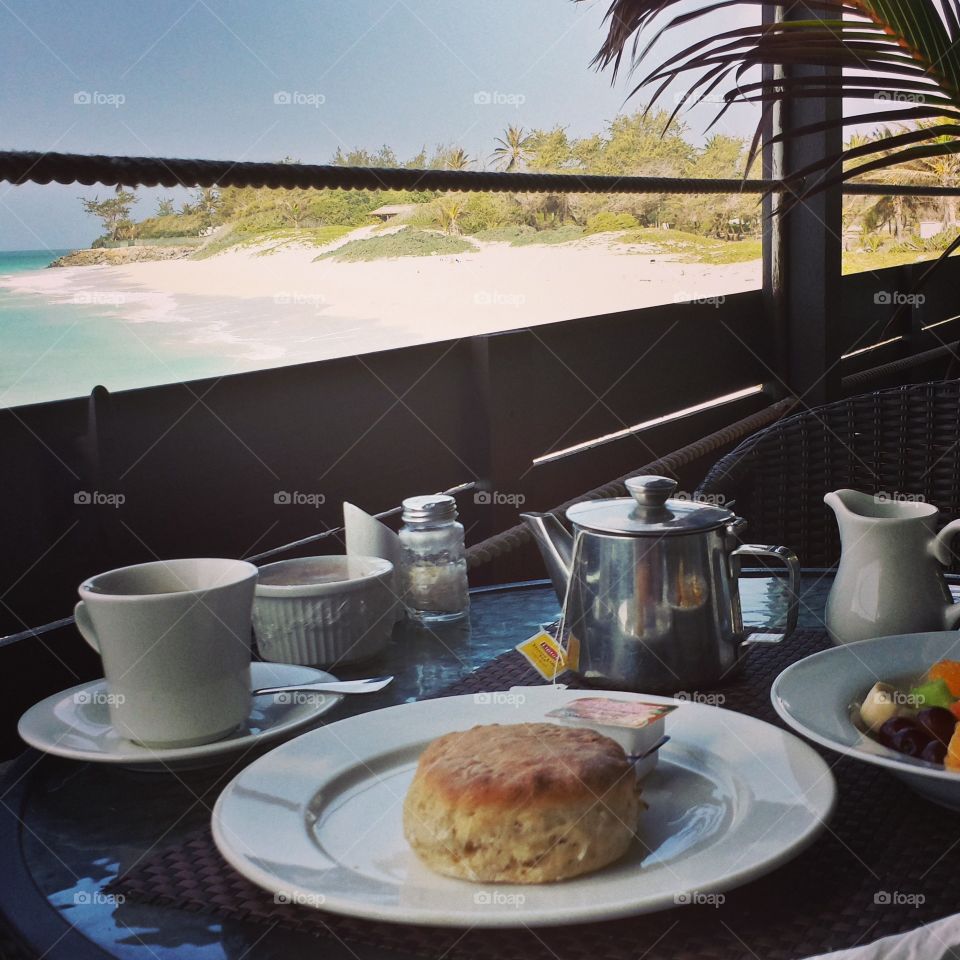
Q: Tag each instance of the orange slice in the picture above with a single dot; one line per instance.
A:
(949, 672)
(952, 759)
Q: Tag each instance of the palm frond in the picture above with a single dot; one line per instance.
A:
(897, 53)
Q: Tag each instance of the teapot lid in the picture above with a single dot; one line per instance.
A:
(648, 511)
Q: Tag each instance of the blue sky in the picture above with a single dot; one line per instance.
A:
(198, 78)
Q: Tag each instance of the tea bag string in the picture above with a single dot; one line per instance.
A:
(562, 622)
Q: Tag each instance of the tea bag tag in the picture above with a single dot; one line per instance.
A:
(547, 655)
(555, 648)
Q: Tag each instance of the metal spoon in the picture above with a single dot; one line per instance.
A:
(370, 685)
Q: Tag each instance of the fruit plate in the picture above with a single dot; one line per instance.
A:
(317, 821)
(815, 696)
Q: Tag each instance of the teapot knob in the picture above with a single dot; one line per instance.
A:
(650, 492)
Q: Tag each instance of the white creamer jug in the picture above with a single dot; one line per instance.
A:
(890, 578)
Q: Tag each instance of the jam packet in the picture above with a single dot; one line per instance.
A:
(637, 726)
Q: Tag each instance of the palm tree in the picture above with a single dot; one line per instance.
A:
(941, 171)
(903, 54)
(512, 152)
(449, 212)
(892, 210)
(457, 159)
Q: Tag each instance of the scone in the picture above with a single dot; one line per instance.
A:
(522, 803)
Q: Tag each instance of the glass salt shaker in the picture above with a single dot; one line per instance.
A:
(433, 566)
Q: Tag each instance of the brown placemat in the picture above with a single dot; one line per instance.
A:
(887, 863)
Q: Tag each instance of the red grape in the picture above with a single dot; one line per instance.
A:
(934, 752)
(892, 727)
(938, 722)
(911, 741)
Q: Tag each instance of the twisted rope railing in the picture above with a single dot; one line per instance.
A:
(19, 167)
(518, 536)
(857, 380)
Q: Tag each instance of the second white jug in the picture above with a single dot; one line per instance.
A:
(890, 578)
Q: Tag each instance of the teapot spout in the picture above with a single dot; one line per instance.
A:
(556, 546)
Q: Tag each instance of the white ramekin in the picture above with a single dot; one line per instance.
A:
(324, 624)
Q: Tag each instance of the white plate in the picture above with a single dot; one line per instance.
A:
(76, 723)
(317, 821)
(814, 696)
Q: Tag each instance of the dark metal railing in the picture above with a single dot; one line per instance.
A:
(19, 167)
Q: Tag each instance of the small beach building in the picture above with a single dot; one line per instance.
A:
(391, 211)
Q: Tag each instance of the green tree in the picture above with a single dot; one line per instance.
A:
(457, 159)
(550, 150)
(721, 215)
(165, 207)
(585, 153)
(895, 211)
(114, 212)
(449, 212)
(206, 202)
(359, 157)
(448, 157)
(942, 171)
(904, 52)
(512, 152)
(419, 160)
(637, 144)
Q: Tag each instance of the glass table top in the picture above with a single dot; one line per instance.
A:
(83, 824)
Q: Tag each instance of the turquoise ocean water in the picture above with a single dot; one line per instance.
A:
(63, 344)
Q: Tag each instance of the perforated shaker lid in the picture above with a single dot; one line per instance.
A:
(430, 508)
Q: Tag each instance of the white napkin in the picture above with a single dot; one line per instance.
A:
(935, 941)
(366, 536)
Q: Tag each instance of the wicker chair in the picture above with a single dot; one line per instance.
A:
(904, 441)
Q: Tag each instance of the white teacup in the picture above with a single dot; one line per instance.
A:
(174, 636)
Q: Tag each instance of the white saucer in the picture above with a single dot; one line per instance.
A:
(76, 723)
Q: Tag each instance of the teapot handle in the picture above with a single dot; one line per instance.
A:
(940, 545)
(786, 556)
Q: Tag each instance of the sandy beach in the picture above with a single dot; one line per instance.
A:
(263, 306)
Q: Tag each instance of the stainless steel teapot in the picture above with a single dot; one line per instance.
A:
(649, 587)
